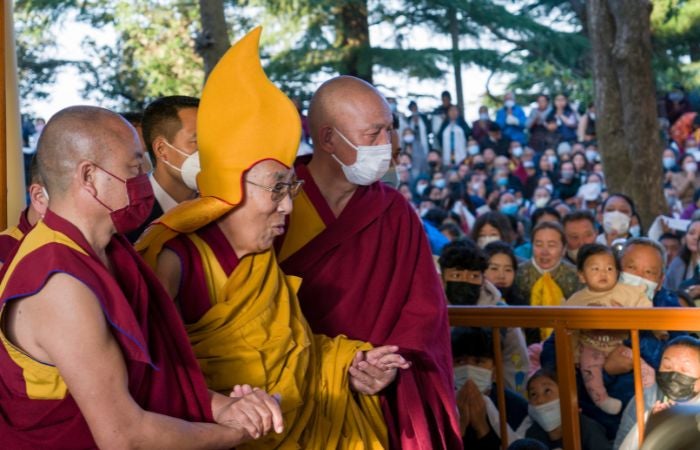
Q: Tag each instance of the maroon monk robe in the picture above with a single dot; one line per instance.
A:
(370, 275)
(163, 374)
(8, 240)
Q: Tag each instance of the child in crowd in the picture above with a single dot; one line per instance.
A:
(598, 269)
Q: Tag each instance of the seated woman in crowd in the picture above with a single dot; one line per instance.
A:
(617, 212)
(502, 266)
(543, 214)
(685, 265)
(544, 423)
(492, 226)
(462, 266)
(472, 350)
(546, 279)
(687, 180)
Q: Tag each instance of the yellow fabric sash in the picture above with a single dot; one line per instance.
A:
(255, 334)
(304, 224)
(14, 232)
(546, 292)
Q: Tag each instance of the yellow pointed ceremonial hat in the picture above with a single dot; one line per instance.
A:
(243, 119)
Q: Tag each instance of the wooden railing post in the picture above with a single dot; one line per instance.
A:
(638, 389)
(501, 386)
(568, 398)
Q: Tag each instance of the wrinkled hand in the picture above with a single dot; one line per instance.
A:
(252, 410)
(619, 361)
(477, 409)
(372, 371)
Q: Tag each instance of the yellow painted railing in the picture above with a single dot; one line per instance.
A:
(564, 320)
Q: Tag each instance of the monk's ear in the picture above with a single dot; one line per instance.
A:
(87, 176)
(326, 140)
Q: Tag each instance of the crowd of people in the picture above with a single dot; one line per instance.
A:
(517, 212)
(220, 285)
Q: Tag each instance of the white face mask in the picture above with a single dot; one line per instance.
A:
(690, 167)
(460, 376)
(190, 167)
(547, 415)
(631, 279)
(473, 150)
(509, 103)
(615, 221)
(45, 192)
(420, 189)
(371, 163)
(481, 377)
(409, 138)
(517, 152)
(483, 241)
(541, 202)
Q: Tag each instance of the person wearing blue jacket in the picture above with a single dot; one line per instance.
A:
(511, 118)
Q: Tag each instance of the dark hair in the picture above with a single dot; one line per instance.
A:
(160, 118)
(685, 254)
(446, 94)
(670, 236)
(471, 341)
(527, 444)
(588, 250)
(622, 196)
(452, 229)
(497, 220)
(493, 126)
(463, 254)
(435, 216)
(541, 373)
(539, 212)
(575, 216)
(412, 103)
(548, 226)
(133, 117)
(501, 248)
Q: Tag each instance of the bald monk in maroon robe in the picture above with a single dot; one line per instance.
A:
(93, 353)
(365, 262)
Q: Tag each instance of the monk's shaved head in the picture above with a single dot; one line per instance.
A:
(337, 98)
(76, 134)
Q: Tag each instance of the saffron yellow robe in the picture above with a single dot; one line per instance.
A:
(254, 333)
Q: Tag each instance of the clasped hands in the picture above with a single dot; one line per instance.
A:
(375, 369)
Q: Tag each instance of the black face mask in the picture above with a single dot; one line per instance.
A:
(432, 164)
(461, 293)
(677, 386)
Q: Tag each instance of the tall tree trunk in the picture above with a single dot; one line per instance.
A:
(456, 61)
(627, 125)
(213, 41)
(352, 37)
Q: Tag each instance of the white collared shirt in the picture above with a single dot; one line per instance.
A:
(164, 199)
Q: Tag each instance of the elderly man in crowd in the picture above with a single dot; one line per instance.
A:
(215, 257)
(362, 253)
(93, 353)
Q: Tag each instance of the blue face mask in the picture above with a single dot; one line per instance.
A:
(509, 209)
(502, 181)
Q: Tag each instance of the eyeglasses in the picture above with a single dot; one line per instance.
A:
(281, 190)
